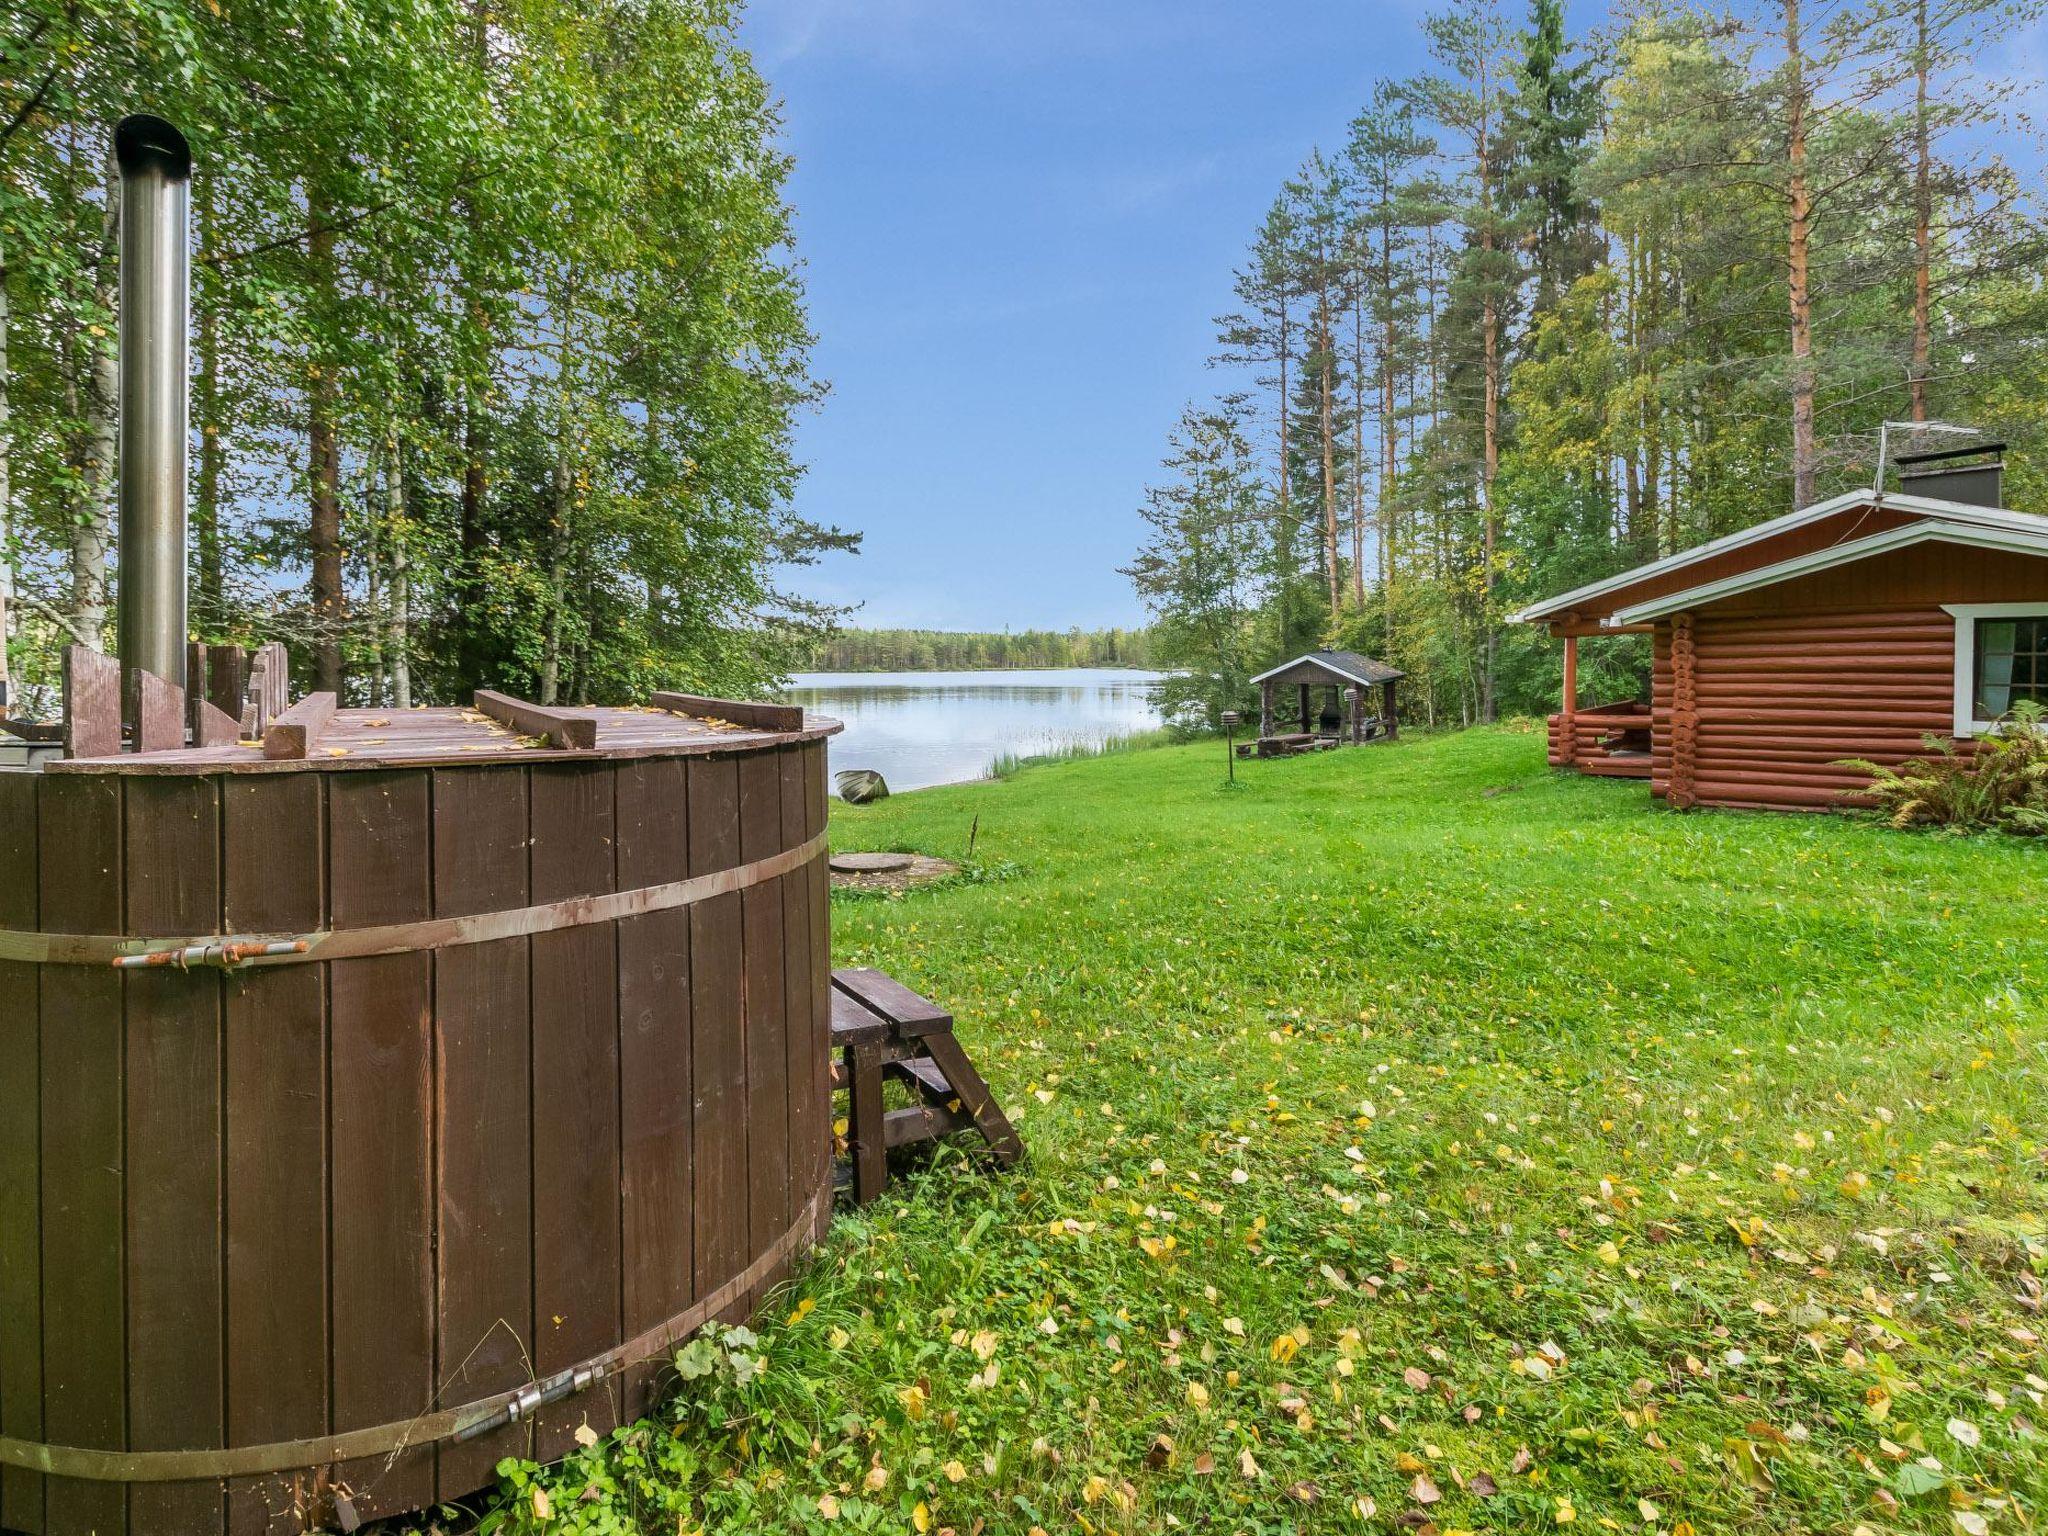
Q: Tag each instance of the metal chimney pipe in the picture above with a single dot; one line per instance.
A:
(156, 165)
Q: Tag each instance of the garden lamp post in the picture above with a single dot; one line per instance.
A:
(1230, 745)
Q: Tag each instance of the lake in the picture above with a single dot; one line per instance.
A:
(923, 728)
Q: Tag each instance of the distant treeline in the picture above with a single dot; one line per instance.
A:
(945, 650)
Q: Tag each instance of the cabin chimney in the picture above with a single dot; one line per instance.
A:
(1974, 476)
(156, 166)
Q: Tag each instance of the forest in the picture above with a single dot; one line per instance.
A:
(497, 340)
(1563, 304)
(944, 650)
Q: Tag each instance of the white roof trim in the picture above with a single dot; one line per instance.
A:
(1363, 682)
(1923, 506)
(2030, 539)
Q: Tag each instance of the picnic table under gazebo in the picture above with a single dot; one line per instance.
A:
(1339, 720)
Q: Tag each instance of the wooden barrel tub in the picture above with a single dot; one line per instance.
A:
(323, 1236)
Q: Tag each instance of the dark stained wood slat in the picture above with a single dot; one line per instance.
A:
(227, 671)
(92, 703)
(296, 732)
(274, 881)
(911, 1013)
(808, 1152)
(655, 1047)
(560, 728)
(84, 1241)
(176, 1393)
(767, 1059)
(21, 1289)
(160, 714)
(381, 1119)
(766, 717)
(485, 1114)
(213, 728)
(864, 1121)
(576, 1079)
(816, 805)
(720, 1087)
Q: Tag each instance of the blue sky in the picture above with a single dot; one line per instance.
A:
(1017, 221)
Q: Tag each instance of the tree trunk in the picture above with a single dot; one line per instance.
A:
(1326, 384)
(1805, 455)
(558, 576)
(373, 591)
(1389, 430)
(1283, 529)
(1923, 221)
(324, 470)
(1489, 334)
(398, 628)
(1358, 446)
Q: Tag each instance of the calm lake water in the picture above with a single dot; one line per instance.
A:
(921, 728)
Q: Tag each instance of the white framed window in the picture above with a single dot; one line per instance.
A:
(2001, 658)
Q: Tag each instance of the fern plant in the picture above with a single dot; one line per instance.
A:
(2002, 783)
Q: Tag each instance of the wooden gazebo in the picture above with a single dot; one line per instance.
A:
(1347, 675)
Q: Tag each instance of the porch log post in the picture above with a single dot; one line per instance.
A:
(1571, 677)
(1685, 715)
(1265, 709)
(1356, 695)
(1393, 720)
(1302, 690)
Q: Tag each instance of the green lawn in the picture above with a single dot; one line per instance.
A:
(1413, 1129)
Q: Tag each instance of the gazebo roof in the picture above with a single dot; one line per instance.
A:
(1336, 666)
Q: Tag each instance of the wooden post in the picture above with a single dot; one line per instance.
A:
(1265, 709)
(1306, 728)
(1355, 697)
(1393, 720)
(1571, 676)
(1685, 718)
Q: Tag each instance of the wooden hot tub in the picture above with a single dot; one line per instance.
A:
(546, 1088)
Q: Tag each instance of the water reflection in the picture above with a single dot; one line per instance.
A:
(921, 728)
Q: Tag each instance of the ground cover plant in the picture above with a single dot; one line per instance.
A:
(1418, 1139)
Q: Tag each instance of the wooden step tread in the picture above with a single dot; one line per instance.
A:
(889, 999)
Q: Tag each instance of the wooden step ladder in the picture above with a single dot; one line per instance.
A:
(882, 1030)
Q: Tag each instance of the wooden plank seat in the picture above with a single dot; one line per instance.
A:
(881, 1030)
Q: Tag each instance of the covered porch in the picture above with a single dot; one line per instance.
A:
(1610, 740)
(1332, 694)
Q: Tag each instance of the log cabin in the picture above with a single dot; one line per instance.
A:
(1855, 627)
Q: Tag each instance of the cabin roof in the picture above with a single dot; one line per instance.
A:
(1923, 515)
(1342, 666)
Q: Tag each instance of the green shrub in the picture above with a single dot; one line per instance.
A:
(2003, 783)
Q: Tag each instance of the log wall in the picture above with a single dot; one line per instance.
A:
(1853, 662)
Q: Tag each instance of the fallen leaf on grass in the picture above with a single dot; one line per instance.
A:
(1424, 1490)
(1963, 1432)
(1482, 1486)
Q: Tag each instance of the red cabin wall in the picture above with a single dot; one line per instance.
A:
(1858, 661)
